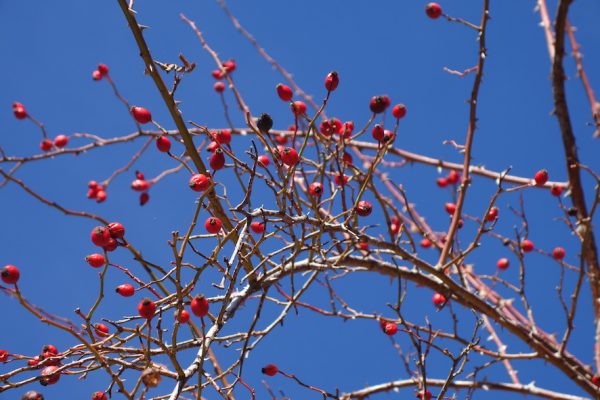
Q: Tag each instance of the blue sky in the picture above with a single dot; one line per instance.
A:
(51, 48)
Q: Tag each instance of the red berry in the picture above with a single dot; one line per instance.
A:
(347, 158)
(325, 128)
(219, 87)
(125, 290)
(527, 246)
(100, 236)
(199, 306)
(101, 329)
(116, 229)
(32, 395)
(49, 375)
(270, 370)
(140, 185)
(50, 348)
(541, 177)
(492, 214)
(347, 129)
(96, 75)
(212, 146)
(425, 243)
(433, 10)
(558, 253)
(341, 179)
(377, 132)
(199, 182)
(438, 299)
(257, 227)
(332, 81)
(298, 108)
(596, 380)
(99, 396)
(213, 225)
(163, 143)
(264, 160)
(61, 141)
(453, 177)
(556, 190)
(281, 139)
(424, 396)
(19, 110)
(217, 74)
(46, 145)
(222, 137)
(100, 196)
(315, 189)
(395, 225)
(399, 111)
(103, 69)
(141, 115)
(229, 65)
(3, 355)
(289, 156)
(378, 104)
(111, 246)
(182, 316)
(450, 208)
(140, 175)
(388, 136)
(362, 245)
(503, 263)
(217, 160)
(146, 308)
(390, 328)
(364, 208)
(144, 197)
(93, 185)
(10, 274)
(95, 260)
(284, 92)
(442, 182)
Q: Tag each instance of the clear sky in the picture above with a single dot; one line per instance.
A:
(51, 48)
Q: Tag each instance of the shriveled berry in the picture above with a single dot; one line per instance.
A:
(163, 143)
(61, 141)
(541, 177)
(558, 253)
(46, 145)
(257, 227)
(503, 263)
(364, 208)
(199, 182)
(199, 306)
(141, 115)
(270, 370)
(399, 111)
(146, 308)
(315, 189)
(10, 274)
(284, 92)
(100, 236)
(332, 80)
(125, 290)
(213, 225)
(527, 246)
(264, 123)
(95, 260)
(433, 10)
